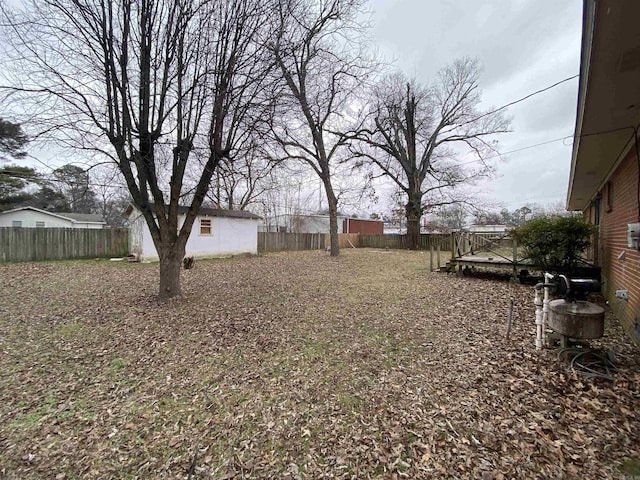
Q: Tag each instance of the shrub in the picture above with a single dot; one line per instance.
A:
(553, 242)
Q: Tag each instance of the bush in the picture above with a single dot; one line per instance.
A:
(553, 242)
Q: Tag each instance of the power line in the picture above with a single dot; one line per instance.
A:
(498, 155)
(314, 180)
(537, 92)
(538, 197)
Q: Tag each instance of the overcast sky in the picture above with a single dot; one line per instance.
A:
(524, 46)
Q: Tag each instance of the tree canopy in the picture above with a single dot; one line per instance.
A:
(13, 140)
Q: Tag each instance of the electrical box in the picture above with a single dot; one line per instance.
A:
(633, 235)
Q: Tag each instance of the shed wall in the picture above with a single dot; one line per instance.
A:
(229, 236)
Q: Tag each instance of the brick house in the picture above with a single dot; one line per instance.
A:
(605, 177)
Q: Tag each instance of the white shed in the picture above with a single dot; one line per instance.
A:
(215, 233)
(31, 217)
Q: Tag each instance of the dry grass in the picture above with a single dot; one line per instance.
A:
(295, 366)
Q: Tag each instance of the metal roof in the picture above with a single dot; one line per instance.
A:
(209, 212)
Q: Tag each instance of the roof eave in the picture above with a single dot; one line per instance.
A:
(588, 23)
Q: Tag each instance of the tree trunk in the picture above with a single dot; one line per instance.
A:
(333, 219)
(170, 267)
(414, 212)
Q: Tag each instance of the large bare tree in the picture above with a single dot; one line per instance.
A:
(148, 83)
(241, 181)
(318, 53)
(422, 138)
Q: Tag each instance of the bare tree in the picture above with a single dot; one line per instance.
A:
(146, 83)
(318, 54)
(417, 132)
(111, 194)
(240, 182)
(450, 217)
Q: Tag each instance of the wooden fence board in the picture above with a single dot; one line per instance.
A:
(400, 241)
(35, 244)
(276, 241)
(345, 240)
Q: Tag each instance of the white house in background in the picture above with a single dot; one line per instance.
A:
(31, 217)
(215, 233)
(487, 228)
(299, 223)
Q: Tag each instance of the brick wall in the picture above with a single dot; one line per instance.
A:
(618, 207)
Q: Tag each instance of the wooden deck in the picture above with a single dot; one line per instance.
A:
(493, 255)
(469, 261)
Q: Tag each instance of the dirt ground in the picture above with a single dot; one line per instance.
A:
(297, 365)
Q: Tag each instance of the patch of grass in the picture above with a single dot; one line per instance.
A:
(49, 406)
(349, 402)
(26, 421)
(50, 400)
(117, 363)
(631, 467)
(69, 331)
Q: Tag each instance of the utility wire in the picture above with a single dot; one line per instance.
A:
(498, 155)
(315, 180)
(537, 92)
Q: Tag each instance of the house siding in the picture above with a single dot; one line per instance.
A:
(618, 207)
(30, 217)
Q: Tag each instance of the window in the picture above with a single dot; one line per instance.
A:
(16, 223)
(205, 226)
(39, 224)
(609, 196)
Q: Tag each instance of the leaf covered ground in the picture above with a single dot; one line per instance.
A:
(296, 366)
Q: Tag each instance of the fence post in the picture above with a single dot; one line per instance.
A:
(453, 245)
(431, 258)
(515, 259)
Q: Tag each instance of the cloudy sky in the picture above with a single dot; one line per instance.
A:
(524, 46)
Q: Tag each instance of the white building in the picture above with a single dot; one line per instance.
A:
(298, 223)
(215, 233)
(31, 217)
(487, 228)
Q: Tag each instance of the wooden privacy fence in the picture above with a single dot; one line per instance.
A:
(276, 241)
(400, 241)
(345, 240)
(33, 244)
